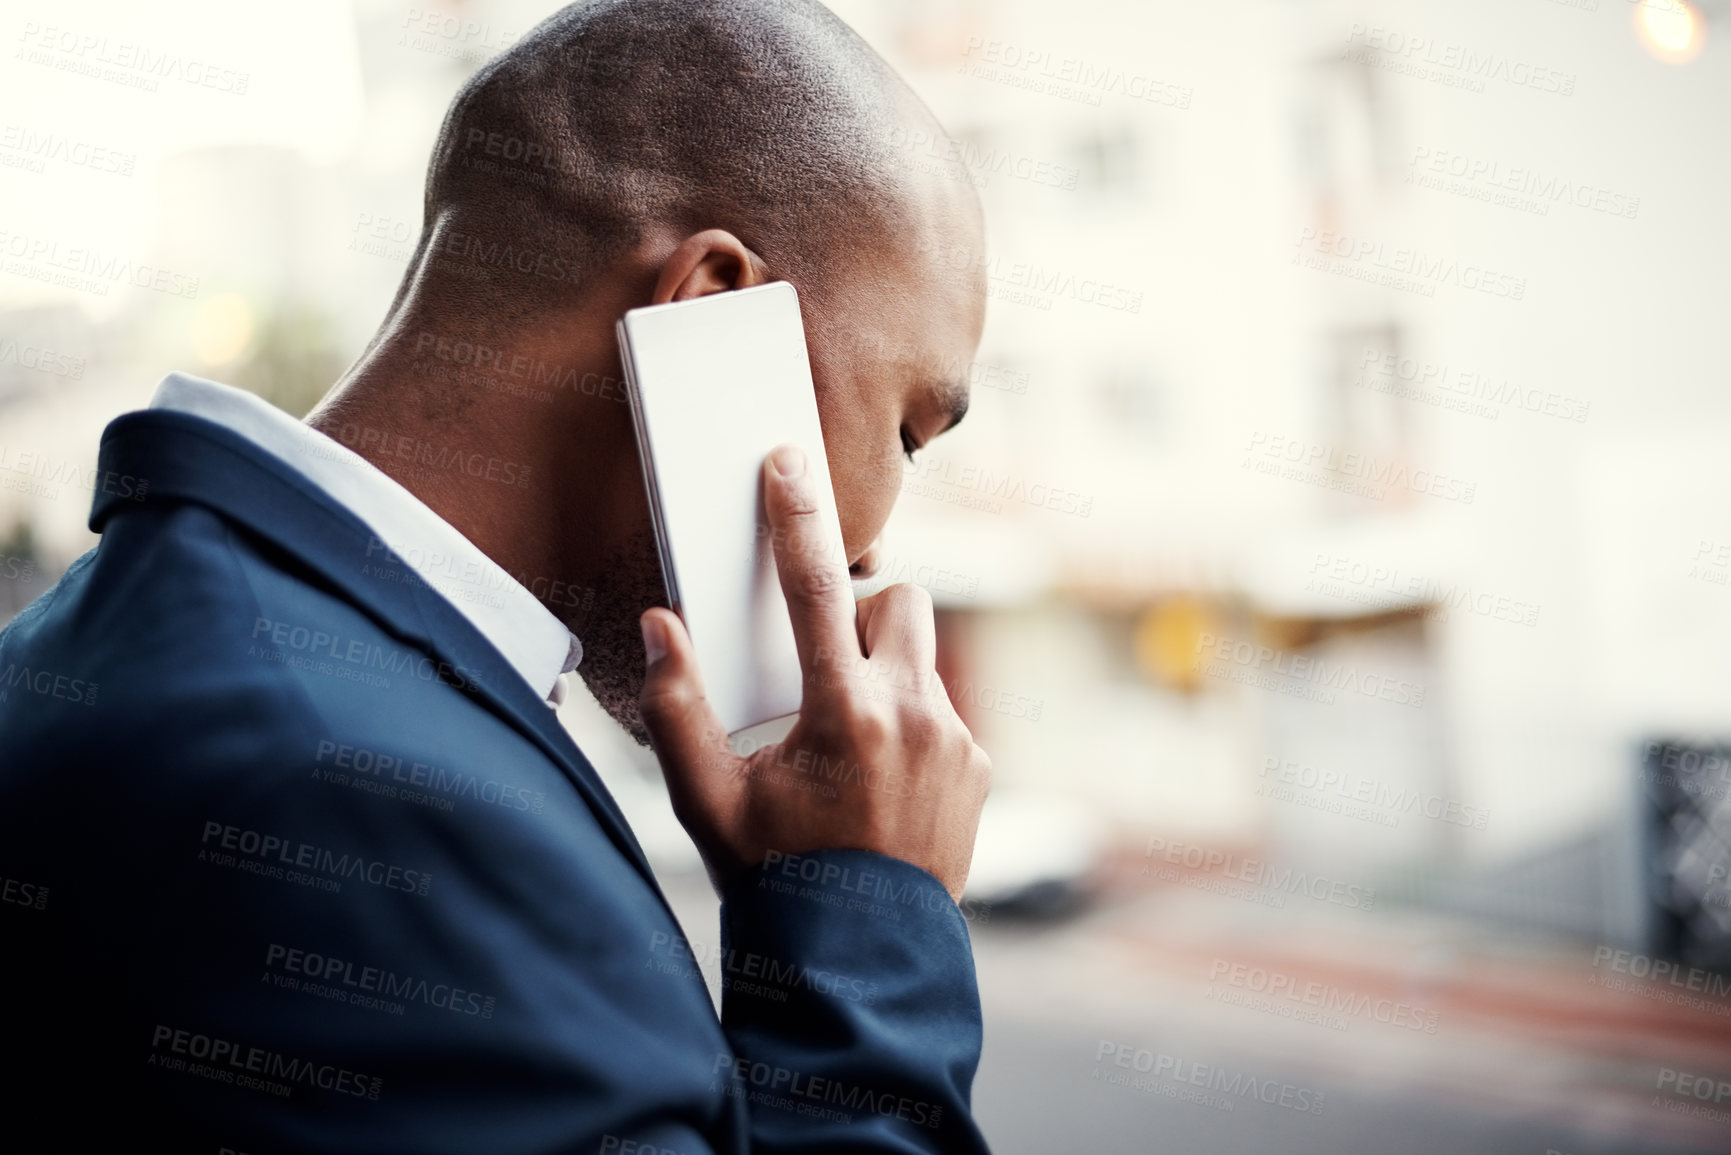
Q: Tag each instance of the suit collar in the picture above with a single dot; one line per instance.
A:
(513, 620)
(165, 456)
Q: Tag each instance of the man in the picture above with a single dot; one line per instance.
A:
(296, 856)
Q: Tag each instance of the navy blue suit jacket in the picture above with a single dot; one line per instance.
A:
(292, 860)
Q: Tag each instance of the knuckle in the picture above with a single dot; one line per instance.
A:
(666, 700)
(980, 763)
(817, 581)
(923, 729)
(825, 716)
(870, 731)
(901, 606)
(798, 500)
(980, 770)
(832, 667)
(963, 736)
(907, 598)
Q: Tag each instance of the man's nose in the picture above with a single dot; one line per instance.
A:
(869, 562)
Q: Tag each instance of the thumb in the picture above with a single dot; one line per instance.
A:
(704, 777)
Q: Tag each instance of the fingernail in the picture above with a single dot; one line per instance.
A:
(789, 461)
(654, 639)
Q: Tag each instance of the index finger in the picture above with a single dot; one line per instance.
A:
(810, 561)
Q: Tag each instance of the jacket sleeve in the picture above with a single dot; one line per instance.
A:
(849, 998)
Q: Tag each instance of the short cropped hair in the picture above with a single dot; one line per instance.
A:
(769, 118)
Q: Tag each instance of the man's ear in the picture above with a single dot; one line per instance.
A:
(713, 261)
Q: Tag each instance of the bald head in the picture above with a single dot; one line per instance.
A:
(768, 118)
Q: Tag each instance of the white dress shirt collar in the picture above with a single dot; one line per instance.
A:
(532, 640)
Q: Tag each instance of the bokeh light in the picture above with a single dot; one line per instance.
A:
(222, 329)
(1672, 30)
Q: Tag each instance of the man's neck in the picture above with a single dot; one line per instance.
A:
(523, 446)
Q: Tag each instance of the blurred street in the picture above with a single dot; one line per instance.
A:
(1529, 1054)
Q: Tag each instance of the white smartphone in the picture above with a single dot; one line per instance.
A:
(715, 383)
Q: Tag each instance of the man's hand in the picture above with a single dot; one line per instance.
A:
(878, 759)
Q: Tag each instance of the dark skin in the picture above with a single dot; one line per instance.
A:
(889, 340)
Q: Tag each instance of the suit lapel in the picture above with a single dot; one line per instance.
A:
(161, 455)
